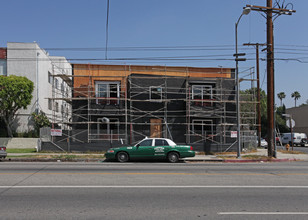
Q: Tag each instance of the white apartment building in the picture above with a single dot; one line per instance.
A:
(51, 78)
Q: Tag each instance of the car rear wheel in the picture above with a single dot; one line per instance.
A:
(173, 157)
(122, 157)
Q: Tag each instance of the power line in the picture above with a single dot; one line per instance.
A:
(158, 48)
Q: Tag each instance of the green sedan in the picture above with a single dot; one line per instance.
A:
(151, 148)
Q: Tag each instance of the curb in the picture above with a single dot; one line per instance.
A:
(241, 160)
(260, 161)
(203, 160)
(49, 160)
(220, 160)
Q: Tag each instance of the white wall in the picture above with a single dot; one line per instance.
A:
(29, 60)
(19, 142)
(21, 61)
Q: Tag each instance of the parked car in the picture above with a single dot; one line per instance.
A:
(151, 148)
(264, 143)
(298, 139)
(3, 152)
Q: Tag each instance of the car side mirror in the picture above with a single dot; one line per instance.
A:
(137, 145)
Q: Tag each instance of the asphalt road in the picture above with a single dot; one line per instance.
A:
(301, 149)
(153, 191)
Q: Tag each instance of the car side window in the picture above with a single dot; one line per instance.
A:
(145, 143)
(159, 142)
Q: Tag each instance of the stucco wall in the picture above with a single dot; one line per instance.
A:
(300, 116)
(29, 60)
(19, 142)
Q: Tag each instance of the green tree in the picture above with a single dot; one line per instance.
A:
(15, 94)
(296, 95)
(249, 108)
(40, 120)
(281, 96)
(249, 98)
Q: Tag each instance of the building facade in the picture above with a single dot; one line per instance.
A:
(122, 104)
(102, 106)
(51, 84)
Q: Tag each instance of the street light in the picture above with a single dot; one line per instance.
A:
(246, 11)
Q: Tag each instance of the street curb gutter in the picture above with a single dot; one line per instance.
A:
(260, 161)
(184, 159)
(49, 160)
(202, 160)
(240, 160)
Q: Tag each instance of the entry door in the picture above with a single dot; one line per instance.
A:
(156, 128)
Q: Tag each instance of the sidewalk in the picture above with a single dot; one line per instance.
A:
(281, 157)
(259, 156)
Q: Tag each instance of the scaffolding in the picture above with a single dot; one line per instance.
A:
(114, 105)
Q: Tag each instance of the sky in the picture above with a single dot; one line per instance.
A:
(198, 33)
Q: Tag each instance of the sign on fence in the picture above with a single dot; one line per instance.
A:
(233, 134)
(56, 132)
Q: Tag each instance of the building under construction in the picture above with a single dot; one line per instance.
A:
(114, 105)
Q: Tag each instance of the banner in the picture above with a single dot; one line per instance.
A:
(56, 132)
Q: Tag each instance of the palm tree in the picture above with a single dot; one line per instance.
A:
(296, 96)
(281, 96)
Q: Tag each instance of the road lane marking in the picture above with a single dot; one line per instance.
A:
(150, 186)
(196, 174)
(262, 213)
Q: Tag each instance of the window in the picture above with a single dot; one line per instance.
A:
(49, 104)
(203, 127)
(56, 83)
(107, 92)
(63, 108)
(3, 67)
(62, 87)
(146, 143)
(161, 142)
(57, 107)
(156, 93)
(202, 92)
(50, 78)
(202, 95)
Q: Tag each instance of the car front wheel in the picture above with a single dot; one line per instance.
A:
(122, 157)
(173, 157)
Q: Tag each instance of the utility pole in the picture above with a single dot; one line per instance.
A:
(269, 11)
(258, 89)
(270, 81)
